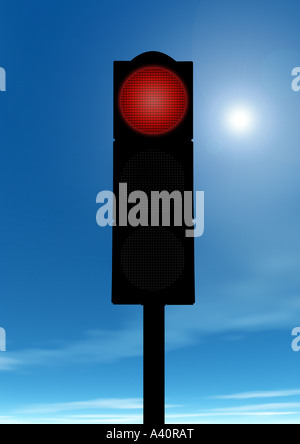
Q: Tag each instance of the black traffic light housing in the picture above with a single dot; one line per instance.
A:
(153, 264)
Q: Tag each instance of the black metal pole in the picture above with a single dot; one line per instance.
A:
(154, 364)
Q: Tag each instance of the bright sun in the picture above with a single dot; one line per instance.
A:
(240, 120)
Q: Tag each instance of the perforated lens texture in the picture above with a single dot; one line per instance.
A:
(153, 100)
(153, 171)
(152, 258)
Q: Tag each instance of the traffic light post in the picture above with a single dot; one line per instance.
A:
(154, 364)
(153, 259)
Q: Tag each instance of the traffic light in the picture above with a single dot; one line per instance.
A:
(153, 259)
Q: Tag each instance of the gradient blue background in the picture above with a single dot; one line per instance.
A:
(72, 356)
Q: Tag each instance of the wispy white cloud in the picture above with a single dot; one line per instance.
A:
(101, 419)
(246, 414)
(129, 411)
(8, 363)
(233, 308)
(259, 300)
(278, 413)
(95, 404)
(261, 394)
(261, 407)
(229, 413)
(99, 346)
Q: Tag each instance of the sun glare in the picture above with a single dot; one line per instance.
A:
(240, 120)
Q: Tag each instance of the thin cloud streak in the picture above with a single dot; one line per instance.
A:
(129, 411)
(257, 395)
(115, 404)
(259, 407)
(184, 418)
(220, 414)
(99, 346)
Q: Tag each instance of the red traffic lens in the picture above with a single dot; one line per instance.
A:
(153, 100)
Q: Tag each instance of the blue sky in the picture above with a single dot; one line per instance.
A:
(71, 355)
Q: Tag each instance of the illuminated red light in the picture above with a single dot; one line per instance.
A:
(153, 100)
